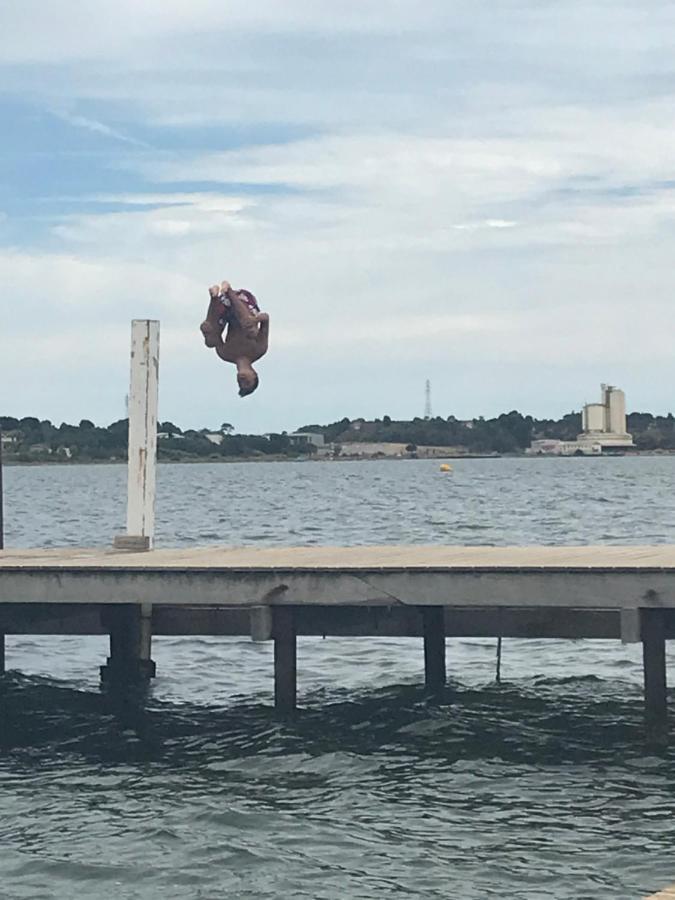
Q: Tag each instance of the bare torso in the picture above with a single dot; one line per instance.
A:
(243, 343)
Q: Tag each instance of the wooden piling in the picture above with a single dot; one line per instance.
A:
(433, 618)
(655, 687)
(129, 661)
(143, 406)
(285, 658)
(2, 654)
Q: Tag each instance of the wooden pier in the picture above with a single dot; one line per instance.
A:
(430, 593)
(133, 592)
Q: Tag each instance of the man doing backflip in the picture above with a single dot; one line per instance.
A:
(247, 334)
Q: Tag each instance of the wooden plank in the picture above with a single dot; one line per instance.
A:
(363, 559)
(131, 542)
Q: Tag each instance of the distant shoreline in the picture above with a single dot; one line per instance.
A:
(197, 460)
(200, 460)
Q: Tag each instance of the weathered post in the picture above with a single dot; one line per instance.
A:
(433, 619)
(285, 658)
(654, 662)
(143, 405)
(130, 629)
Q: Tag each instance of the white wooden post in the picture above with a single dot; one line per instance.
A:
(143, 402)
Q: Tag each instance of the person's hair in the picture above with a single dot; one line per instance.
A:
(244, 392)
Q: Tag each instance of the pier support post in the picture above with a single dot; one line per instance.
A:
(285, 658)
(654, 662)
(2, 654)
(130, 640)
(433, 619)
(143, 406)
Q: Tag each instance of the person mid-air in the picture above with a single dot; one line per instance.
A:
(247, 336)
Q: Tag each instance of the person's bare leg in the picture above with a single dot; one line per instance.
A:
(211, 327)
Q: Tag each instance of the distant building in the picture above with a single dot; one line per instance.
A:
(376, 449)
(306, 438)
(554, 447)
(9, 438)
(604, 429)
(604, 423)
(215, 437)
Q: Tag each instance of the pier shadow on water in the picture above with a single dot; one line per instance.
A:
(543, 721)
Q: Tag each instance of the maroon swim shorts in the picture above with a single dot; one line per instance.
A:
(248, 299)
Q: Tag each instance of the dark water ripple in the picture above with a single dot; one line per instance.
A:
(538, 788)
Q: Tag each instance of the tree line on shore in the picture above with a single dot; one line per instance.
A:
(510, 432)
(30, 439)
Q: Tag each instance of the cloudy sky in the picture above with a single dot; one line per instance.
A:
(479, 193)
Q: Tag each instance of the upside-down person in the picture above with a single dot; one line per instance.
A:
(247, 336)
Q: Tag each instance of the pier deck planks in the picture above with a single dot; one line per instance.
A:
(598, 558)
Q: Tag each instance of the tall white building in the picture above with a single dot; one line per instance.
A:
(604, 423)
(604, 429)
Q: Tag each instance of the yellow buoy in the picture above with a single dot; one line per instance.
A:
(445, 467)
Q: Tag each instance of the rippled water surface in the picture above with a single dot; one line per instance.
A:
(537, 788)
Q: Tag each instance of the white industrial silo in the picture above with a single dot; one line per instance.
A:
(594, 417)
(616, 404)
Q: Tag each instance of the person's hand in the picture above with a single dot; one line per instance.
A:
(262, 317)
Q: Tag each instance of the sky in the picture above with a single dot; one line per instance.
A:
(481, 194)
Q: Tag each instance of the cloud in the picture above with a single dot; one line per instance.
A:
(98, 128)
(484, 190)
(36, 32)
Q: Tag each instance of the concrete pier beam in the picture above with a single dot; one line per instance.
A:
(433, 622)
(285, 658)
(130, 643)
(653, 628)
